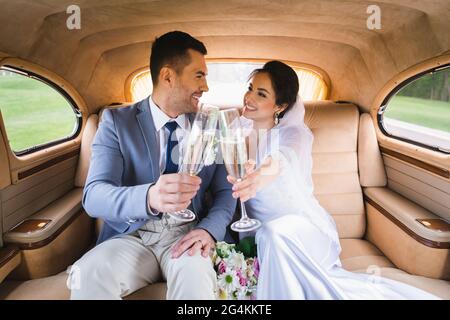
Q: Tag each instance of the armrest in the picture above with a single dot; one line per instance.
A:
(45, 225)
(9, 259)
(395, 225)
(409, 216)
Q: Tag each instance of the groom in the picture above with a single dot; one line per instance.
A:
(133, 180)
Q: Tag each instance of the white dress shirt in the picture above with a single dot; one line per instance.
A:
(162, 133)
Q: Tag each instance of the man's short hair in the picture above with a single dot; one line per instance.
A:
(172, 49)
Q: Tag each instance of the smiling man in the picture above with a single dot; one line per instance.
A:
(133, 181)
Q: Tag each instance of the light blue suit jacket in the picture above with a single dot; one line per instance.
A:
(125, 163)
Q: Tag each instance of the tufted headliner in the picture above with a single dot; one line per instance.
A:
(115, 38)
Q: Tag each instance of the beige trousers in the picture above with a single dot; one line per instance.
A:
(122, 265)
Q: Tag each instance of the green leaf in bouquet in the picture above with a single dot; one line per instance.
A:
(248, 247)
(223, 249)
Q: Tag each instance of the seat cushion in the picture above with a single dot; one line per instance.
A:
(357, 255)
(55, 288)
(49, 288)
(440, 288)
(360, 254)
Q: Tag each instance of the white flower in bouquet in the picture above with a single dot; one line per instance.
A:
(228, 281)
(237, 276)
(237, 260)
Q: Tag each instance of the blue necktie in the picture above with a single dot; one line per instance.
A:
(171, 167)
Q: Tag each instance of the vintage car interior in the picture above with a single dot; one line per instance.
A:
(385, 179)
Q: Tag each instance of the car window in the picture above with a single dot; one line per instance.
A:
(419, 111)
(34, 112)
(227, 82)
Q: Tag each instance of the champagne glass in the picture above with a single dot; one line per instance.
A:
(234, 153)
(198, 149)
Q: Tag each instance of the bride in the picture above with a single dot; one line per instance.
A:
(298, 244)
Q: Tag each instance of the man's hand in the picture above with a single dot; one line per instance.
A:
(194, 240)
(173, 192)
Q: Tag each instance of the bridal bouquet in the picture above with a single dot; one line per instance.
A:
(237, 270)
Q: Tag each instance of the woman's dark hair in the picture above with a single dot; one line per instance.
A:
(172, 49)
(284, 82)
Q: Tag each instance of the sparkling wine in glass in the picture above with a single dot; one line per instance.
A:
(234, 153)
(198, 149)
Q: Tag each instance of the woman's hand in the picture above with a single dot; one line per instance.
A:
(247, 187)
(255, 180)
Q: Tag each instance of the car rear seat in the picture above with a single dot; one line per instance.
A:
(337, 129)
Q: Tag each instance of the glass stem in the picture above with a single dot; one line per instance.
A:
(243, 211)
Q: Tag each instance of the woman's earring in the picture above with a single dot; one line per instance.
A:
(277, 114)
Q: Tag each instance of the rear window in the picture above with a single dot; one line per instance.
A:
(418, 111)
(227, 82)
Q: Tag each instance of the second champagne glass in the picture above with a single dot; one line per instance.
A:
(198, 149)
(234, 153)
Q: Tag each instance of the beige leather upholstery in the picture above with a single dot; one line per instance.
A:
(407, 212)
(371, 167)
(440, 288)
(85, 152)
(359, 254)
(66, 248)
(59, 212)
(9, 266)
(362, 256)
(404, 251)
(38, 191)
(55, 288)
(335, 129)
(49, 288)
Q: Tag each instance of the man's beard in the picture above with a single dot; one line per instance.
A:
(184, 105)
(184, 102)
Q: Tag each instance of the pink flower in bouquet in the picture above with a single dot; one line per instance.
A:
(222, 267)
(256, 266)
(237, 275)
(242, 280)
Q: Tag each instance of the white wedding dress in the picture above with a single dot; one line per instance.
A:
(298, 245)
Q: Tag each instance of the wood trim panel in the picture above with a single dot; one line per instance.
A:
(47, 164)
(31, 225)
(42, 243)
(7, 253)
(422, 240)
(439, 225)
(418, 163)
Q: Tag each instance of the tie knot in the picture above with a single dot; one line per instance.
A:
(171, 126)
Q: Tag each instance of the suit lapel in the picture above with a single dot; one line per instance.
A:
(145, 120)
